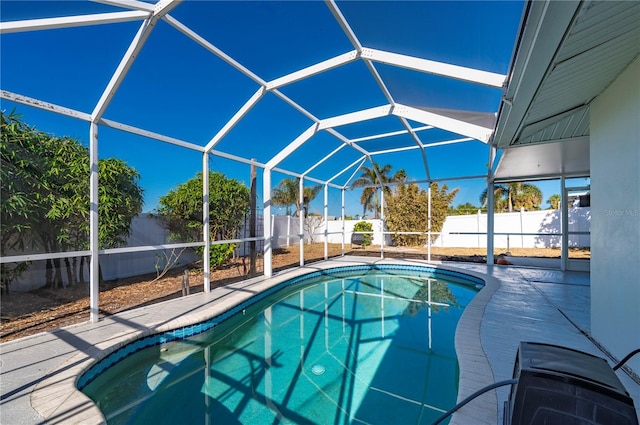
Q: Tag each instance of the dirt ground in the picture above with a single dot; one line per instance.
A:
(28, 313)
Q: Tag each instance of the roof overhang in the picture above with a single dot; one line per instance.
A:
(568, 53)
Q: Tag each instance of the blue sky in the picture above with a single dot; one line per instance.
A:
(179, 89)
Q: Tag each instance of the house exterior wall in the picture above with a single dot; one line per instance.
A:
(615, 221)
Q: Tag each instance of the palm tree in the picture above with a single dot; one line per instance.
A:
(515, 195)
(286, 194)
(308, 195)
(369, 180)
(554, 201)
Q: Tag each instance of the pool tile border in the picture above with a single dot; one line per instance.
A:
(191, 330)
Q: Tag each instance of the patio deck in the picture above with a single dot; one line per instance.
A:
(37, 373)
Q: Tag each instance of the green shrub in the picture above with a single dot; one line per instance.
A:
(220, 254)
(407, 210)
(363, 226)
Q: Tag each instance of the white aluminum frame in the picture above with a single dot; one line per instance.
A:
(312, 70)
(391, 134)
(47, 106)
(354, 117)
(150, 14)
(206, 229)
(71, 21)
(471, 75)
(301, 220)
(450, 124)
(94, 267)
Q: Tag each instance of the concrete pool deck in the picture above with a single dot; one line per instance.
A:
(37, 373)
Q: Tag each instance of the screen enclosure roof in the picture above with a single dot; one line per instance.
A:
(314, 89)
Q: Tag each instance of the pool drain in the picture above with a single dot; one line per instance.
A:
(317, 369)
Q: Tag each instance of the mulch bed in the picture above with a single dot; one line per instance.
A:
(28, 313)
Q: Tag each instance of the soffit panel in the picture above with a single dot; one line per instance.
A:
(569, 157)
(578, 80)
(600, 42)
(601, 21)
(569, 125)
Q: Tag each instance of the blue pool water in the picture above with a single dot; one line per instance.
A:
(372, 347)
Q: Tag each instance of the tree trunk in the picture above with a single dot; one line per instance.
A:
(81, 271)
(100, 278)
(48, 273)
(67, 265)
(57, 279)
(74, 271)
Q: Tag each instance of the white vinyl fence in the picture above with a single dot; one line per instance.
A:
(458, 231)
(145, 231)
(522, 229)
(541, 229)
(286, 230)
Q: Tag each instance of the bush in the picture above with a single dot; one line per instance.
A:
(181, 212)
(407, 211)
(363, 226)
(220, 254)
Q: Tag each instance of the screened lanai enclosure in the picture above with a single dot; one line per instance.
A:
(313, 91)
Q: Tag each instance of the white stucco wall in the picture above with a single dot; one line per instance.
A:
(615, 216)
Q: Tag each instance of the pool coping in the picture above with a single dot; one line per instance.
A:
(56, 396)
(475, 370)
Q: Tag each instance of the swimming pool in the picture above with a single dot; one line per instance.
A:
(350, 345)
